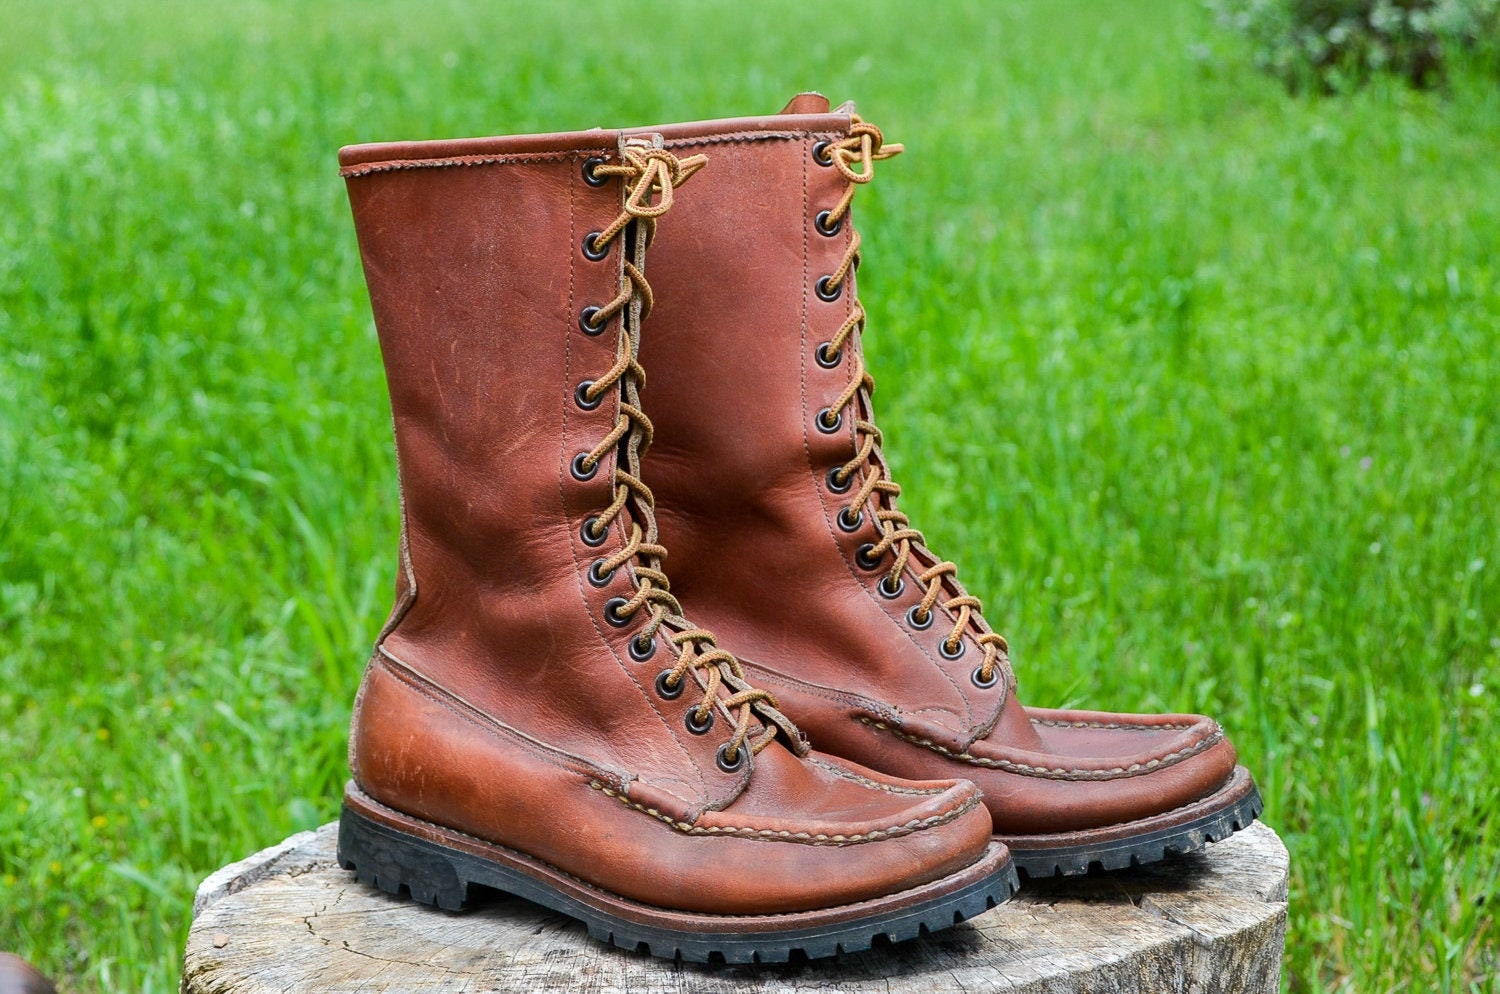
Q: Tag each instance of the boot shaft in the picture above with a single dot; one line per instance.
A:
(506, 280)
(538, 714)
(764, 440)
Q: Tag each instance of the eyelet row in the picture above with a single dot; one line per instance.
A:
(640, 649)
(589, 324)
(830, 422)
(866, 559)
(827, 229)
(593, 251)
(670, 692)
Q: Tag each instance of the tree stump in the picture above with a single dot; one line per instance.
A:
(289, 919)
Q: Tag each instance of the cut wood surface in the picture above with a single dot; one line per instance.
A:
(288, 919)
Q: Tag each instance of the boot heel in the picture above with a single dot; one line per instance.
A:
(393, 861)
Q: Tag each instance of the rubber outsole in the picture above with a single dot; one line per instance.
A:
(449, 875)
(1230, 809)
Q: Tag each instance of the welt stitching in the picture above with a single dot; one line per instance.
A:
(1056, 773)
(584, 884)
(804, 838)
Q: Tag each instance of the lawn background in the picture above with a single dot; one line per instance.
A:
(1197, 381)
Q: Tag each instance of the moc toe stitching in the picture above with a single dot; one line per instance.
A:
(1137, 767)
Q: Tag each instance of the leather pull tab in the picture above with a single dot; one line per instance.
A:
(807, 103)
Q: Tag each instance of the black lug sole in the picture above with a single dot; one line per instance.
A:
(449, 877)
(1075, 858)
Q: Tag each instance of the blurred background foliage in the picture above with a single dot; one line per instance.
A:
(1194, 378)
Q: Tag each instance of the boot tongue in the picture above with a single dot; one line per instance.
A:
(807, 103)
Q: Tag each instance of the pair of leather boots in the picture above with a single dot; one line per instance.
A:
(541, 716)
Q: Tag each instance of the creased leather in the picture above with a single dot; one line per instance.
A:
(740, 469)
(499, 701)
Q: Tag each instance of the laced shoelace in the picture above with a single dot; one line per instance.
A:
(864, 147)
(650, 175)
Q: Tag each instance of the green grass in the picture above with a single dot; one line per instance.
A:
(1198, 383)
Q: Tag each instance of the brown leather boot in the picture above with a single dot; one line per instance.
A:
(787, 539)
(538, 717)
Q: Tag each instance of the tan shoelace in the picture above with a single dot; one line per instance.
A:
(865, 146)
(650, 175)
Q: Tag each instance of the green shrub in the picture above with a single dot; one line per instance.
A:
(1335, 45)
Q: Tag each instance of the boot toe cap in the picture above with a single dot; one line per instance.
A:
(1097, 769)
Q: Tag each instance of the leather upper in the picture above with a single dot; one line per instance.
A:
(500, 700)
(741, 468)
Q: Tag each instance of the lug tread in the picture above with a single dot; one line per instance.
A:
(1154, 847)
(432, 874)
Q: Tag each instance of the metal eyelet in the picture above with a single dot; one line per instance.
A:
(581, 396)
(641, 651)
(611, 612)
(821, 288)
(824, 228)
(980, 682)
(826, 426)
(820, 154)
(888, 591)
(666, 691)
(597, 577)
(586, 321)
(591, 249)
(863, 556)
(955, 654)
(581, 472)
(589, 176)
(827, 359)
(586, 533)
(692, 724)
(911, 618)
(835, 486)
(739, 759)
(851, 522)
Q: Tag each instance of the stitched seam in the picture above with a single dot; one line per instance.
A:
(889, 788)
(743, 137)
(834, 694)
(1055, 773)
(1115, 725)
(519, 158)
(419, 685)
(803, 838)
(461, 161)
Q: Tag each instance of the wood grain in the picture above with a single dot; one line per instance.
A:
(288, 919)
